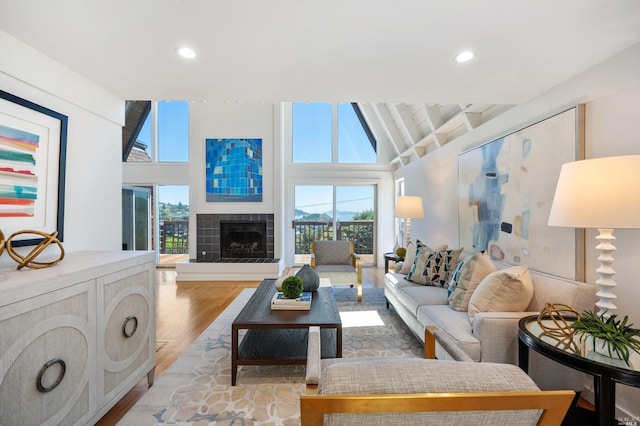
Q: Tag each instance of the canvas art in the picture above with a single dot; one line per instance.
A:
(32, 168)
(506, 188)
(233, 170)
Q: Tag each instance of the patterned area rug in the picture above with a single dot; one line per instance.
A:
(196, 389)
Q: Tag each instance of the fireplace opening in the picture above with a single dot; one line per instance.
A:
(242, 240)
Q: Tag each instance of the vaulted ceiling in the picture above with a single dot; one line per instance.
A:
(393, 57)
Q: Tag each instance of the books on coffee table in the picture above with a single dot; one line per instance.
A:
(301, 303)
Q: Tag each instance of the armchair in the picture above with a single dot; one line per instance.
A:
(337, 261)
(406, 390)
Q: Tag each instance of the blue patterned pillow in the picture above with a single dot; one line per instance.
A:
(433, 267)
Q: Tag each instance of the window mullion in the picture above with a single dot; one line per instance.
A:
(334, 133)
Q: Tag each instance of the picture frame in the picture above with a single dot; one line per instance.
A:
(505, 191)
(233, 170)
(33, 146)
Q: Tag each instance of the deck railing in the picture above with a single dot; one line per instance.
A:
(358, 231)
(174, 236)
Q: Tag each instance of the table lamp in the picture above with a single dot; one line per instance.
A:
(409, 208)
(601, 193)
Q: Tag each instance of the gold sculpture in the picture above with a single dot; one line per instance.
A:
(29, 260)
(559, 328)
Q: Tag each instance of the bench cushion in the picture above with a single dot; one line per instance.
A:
(361, 376)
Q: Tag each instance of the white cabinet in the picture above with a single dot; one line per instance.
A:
(76, 337)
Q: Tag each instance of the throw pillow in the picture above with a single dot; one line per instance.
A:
(410, 262)
(465, 279)
(507, 290)
(408, 259)
(439, 267)
(309, 277)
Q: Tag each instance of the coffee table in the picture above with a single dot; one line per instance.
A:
(280, 337)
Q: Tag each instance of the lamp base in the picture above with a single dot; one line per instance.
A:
(606, 273)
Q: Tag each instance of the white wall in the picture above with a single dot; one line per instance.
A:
(93, 212)
(611, 91)
(233, 120)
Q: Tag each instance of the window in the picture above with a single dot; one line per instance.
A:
(331, 133)
(173, 131)
(173, 222)
(312, 132)
(328, 212)
(354, 145)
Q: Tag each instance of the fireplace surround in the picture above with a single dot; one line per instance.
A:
(235, 237)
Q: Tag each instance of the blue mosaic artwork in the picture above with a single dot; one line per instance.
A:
(233, 170)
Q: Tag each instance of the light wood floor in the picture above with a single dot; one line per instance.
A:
(184, 310)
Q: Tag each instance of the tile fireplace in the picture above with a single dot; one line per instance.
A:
(234, 237)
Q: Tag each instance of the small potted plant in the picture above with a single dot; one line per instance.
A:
(292, 287)
(611, 337)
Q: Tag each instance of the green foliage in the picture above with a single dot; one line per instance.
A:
(619, 335)
(292, 287)
(365, 215)
(170, 211)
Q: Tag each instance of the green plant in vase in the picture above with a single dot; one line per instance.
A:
(292, 287)
(618, 336)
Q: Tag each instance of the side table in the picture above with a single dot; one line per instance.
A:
(579, 356)
(393, 257)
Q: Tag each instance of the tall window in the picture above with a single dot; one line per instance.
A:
(354, 145)
(173, 131)
(330, 133)
(173, 221)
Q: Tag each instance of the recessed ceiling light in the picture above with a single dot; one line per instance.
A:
(464, 56)
(186, 52)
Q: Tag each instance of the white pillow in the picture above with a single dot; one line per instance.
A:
(506, 290)
(408, 258)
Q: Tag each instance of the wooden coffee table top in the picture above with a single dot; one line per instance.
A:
(257, 312)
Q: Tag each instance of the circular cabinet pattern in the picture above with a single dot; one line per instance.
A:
(35, 346)
(128, 337)
(64, 357)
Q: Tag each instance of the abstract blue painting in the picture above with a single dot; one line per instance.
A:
(233, 170)
(505, 191)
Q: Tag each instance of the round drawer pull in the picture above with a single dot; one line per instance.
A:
(63, 369)
(126, 333)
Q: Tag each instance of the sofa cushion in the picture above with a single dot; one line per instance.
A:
(413, 296)
(455, 324)
(507, 290)
(466, 278)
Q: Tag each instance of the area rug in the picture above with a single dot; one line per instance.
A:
(196, 389)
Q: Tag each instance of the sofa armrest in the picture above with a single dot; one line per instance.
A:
(433, 335)
(498, 332)
(314, 356)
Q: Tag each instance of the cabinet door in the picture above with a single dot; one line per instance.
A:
(126, 332)
(47, 356)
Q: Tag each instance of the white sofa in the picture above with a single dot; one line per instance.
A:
(493, 336)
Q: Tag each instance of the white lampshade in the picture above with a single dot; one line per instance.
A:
(598, 193)
(409, 207)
